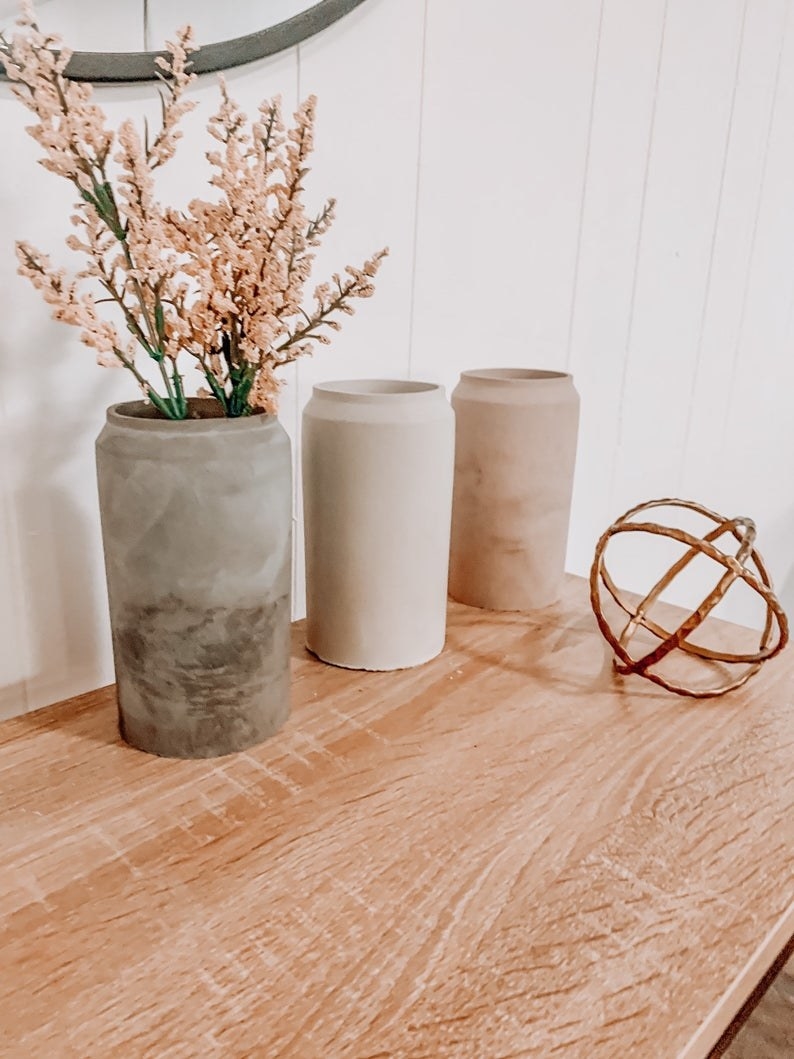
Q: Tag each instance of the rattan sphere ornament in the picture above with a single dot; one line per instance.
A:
(744, 564)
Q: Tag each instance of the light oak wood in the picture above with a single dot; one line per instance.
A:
(509, 851)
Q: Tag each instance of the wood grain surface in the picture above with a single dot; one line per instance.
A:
(509, 851)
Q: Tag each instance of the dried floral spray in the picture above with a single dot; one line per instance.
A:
(221, 281)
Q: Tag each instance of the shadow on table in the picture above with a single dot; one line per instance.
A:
(568, 656)
(91, 717)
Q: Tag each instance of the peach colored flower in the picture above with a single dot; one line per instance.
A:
(221, 281)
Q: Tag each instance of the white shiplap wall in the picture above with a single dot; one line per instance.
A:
(606, 185)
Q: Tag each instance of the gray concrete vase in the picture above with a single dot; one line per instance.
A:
(378, 460)
(197, 527)
(515, 451)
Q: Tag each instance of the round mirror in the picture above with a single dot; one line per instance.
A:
(119, 43)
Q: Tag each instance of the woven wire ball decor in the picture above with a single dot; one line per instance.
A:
(745, 564)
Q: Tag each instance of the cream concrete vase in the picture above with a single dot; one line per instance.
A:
(514, 462)
(378, 458)
(197, 530)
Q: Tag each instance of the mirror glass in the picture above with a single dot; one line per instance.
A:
(252, 28)
(85, 25)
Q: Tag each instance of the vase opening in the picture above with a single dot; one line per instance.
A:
(515, 375)
(198, 408)
(378, 390)
(204, 414)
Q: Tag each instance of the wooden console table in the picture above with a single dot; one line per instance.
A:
(506, 852)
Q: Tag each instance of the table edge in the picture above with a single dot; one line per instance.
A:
(711, 1031)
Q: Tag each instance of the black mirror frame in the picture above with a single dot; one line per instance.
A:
(127, 67)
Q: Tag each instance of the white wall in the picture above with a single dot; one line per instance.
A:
(603, 185)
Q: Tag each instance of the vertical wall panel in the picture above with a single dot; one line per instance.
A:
(758, 108)
(13, 691)
(684, 180)
(504, 137)
(754, 466)
(687, 154)
(740, 426)
(366, 73)
(54, 398)
(630, 53)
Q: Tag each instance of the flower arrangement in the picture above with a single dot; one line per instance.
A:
(222, 280)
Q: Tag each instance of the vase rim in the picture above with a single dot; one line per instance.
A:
(515, 375)
(141, 415)
(372, 390)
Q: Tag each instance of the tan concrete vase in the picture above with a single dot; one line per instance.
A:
(196, 527)
(515, 452)
(378, 459)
